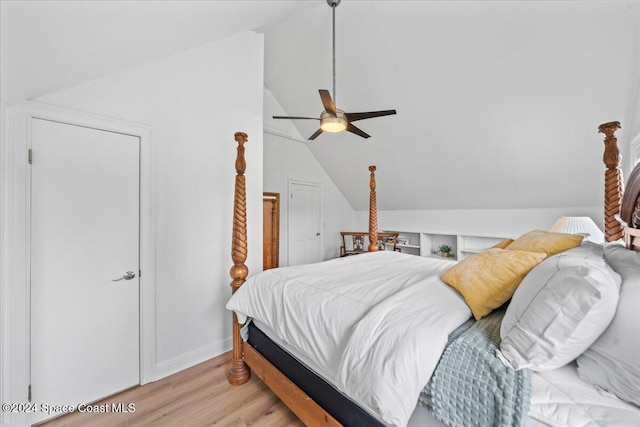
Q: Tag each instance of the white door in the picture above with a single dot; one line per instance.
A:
(84, 234)
(304, 223)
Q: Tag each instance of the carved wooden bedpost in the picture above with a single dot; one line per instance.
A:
(373, 212)
(239, 372)
(613, 229)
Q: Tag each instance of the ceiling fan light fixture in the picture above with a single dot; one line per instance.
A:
(333, 120)
(331, 124)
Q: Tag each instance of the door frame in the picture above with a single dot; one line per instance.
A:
(291, 182)
(15, 183)
(273, 196)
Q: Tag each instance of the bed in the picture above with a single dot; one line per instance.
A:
(360, 355)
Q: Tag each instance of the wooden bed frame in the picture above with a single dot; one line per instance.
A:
(622, 220)
(621, 207)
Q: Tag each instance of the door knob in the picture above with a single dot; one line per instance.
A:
(317, 234)
(127, 276)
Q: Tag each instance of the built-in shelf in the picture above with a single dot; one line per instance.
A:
(472, 250)
(473, 244)
(408, 246)
(426, 244)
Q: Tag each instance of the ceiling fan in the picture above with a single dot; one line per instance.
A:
(332, 119)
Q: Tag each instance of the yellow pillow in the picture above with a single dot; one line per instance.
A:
(488, 279)
(545, 241)
(503, 244)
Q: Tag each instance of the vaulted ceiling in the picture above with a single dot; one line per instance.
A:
(498, 101)
(49, 45)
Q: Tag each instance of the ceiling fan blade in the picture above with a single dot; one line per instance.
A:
(327, 102)
(295, 118)
(315, 134)
(351, 128)
(369, 114)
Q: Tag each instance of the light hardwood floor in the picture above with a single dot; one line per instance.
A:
(198, 396)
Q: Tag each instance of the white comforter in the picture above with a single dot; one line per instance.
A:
(373, 325)
(561, 398)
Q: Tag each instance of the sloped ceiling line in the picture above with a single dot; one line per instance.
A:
(497, 101)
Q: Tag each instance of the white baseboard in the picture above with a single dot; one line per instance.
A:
(188, 360)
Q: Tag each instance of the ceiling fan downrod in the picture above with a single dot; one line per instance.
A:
(334, 4)
(332, 119)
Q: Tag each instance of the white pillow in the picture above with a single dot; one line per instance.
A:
(560, 308)
(613, 361)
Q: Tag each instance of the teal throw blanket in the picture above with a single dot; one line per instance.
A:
(471, 386)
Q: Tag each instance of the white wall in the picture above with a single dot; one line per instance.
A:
(491, 222)
(4, 321)
(194, 101)
(632, 154)
(286, 159)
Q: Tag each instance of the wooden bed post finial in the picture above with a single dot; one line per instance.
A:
(373, 212)
(239, 372)
(613, 191)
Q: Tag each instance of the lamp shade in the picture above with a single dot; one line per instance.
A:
(582, 225)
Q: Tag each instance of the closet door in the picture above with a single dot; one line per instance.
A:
(84, 264)
(304, 223)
